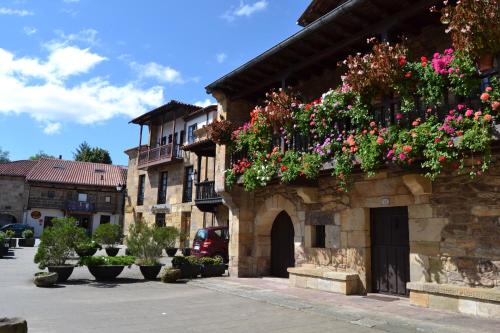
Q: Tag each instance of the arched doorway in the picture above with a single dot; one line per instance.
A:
(7, 219)
(282, 247)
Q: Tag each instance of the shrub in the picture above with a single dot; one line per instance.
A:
(108, 234)
(106, 261)
(179, 261)
(208, 261)
(86, 244)
(28, 233)
(10, 233)
(57, 242)
(147, 241)
(170, 275)
(2, 239)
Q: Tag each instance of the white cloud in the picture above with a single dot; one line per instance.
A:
(52, 128)
(40, 88)
(87, 36)
(245, 10)
(29, 30)
(164, 74)
(18, 12)
(204, 103)
(221, 57)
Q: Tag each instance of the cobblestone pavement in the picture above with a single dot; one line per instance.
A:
(133, 305)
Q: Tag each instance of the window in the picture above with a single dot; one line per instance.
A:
(105, 219)
(319, 236)
(162, 188)
(160, 220)
(51, 194)
(163, 140)
(140, 190)
(187, 195)
(107, 199)
(191, 130)
(182, 138)
(201, 235)
(82, 197)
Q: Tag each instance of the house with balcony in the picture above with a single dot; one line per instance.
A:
(170, 178)
(42, 190)
(395, 231)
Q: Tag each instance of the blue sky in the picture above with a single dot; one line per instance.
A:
(75, 70)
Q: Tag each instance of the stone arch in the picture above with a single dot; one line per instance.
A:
(264, 219)
(7, 219)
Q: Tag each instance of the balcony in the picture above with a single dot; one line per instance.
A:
(163, 154)
(206, 197)
(80, 206)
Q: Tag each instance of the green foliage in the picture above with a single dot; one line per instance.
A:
(4, 156)
(2, 239)
(86, 244)
(86, 153)
(28, 233)
(170, 275)
(10, 233)
(107, 261)
(148, 241)
(108, 234)
(41, 154)
(208, 261)
(179, 261)
(58, 241)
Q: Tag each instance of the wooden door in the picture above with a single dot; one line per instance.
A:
(282, 247)
(390, 250)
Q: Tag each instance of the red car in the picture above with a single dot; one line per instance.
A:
(211, 242)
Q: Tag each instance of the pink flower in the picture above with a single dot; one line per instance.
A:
(477, 115)
(380, 140)
(485, 96)
(495, 105)
(399, 116)
(487, 117)
(390, 153)
(489, 89)
(469, 112)
(402, 157)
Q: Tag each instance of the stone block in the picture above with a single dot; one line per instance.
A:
(427, 229)
(425, 248)
(420, 211)
(355, 219)
(488, 309)
(443, 302)
(312, 283)
(419, 265)
(467, 306)
(332, 236)
(301, 281)
(358, 239)
(419, 299)
(485, 210)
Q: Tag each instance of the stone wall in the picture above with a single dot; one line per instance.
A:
(13, 196)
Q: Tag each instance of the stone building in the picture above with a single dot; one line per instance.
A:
(444, 250)
(35, 192)
(170, 179)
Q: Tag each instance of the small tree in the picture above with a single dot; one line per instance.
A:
(108, 234)
(41, 154)
(168, 236)
(58, 241)
(86, 153)
(4, 156)
(143, 242)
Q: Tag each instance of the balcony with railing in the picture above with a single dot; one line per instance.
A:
(80, 206)
(168, 153)
(206, 197)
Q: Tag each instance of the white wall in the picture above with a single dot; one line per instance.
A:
(38, 224)
(96, 220)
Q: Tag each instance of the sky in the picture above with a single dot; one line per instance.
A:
(80, 70)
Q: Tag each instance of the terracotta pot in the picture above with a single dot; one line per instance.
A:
(485, 62)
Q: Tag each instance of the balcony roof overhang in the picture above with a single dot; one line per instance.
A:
(205, 147)
(167, 112)
(321, 44)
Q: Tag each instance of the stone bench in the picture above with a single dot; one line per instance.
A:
(324, 279)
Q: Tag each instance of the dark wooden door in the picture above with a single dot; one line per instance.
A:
(390, 250)
(282, 249)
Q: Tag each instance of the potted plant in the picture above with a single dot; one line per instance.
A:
(212, 267)
(87, 247)
(171, 275)
(145, 242)
(189, 266)
(109, 235)
(105, 268)
(4, 248)
(169, 236)
(45, 279)
(28, 240)
(56, 247)
(10, 234)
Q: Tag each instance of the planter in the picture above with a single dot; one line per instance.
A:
(44, 279)
(213, 270)
(485, 62)
(86, 252)
(189, 271)
(112, 251)
(171, 251)
(105, 272)
(26, 242)
(186, 252)
(63, 272)
(150, 272)
(171, 275)
(4, 250)
(12, 242)
(127, 252)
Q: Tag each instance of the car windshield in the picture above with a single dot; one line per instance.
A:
(201, 235)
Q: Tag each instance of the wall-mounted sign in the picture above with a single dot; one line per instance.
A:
(385, 201)
(36, 215)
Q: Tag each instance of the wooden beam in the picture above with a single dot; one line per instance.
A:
(367, 31)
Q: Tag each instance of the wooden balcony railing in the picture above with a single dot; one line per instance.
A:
(206, 197)
(80, 206)
(162, 154)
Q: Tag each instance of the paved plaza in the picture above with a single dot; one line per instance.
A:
(204, 305)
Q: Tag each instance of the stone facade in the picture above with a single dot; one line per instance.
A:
(13, 197)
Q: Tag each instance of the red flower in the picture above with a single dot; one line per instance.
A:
(437, 140)
(485, 96)
(424, 61)
(442, 158)
(284, 168)
(402, 60)
(380, 140)
(407, 149)
(408, 75)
